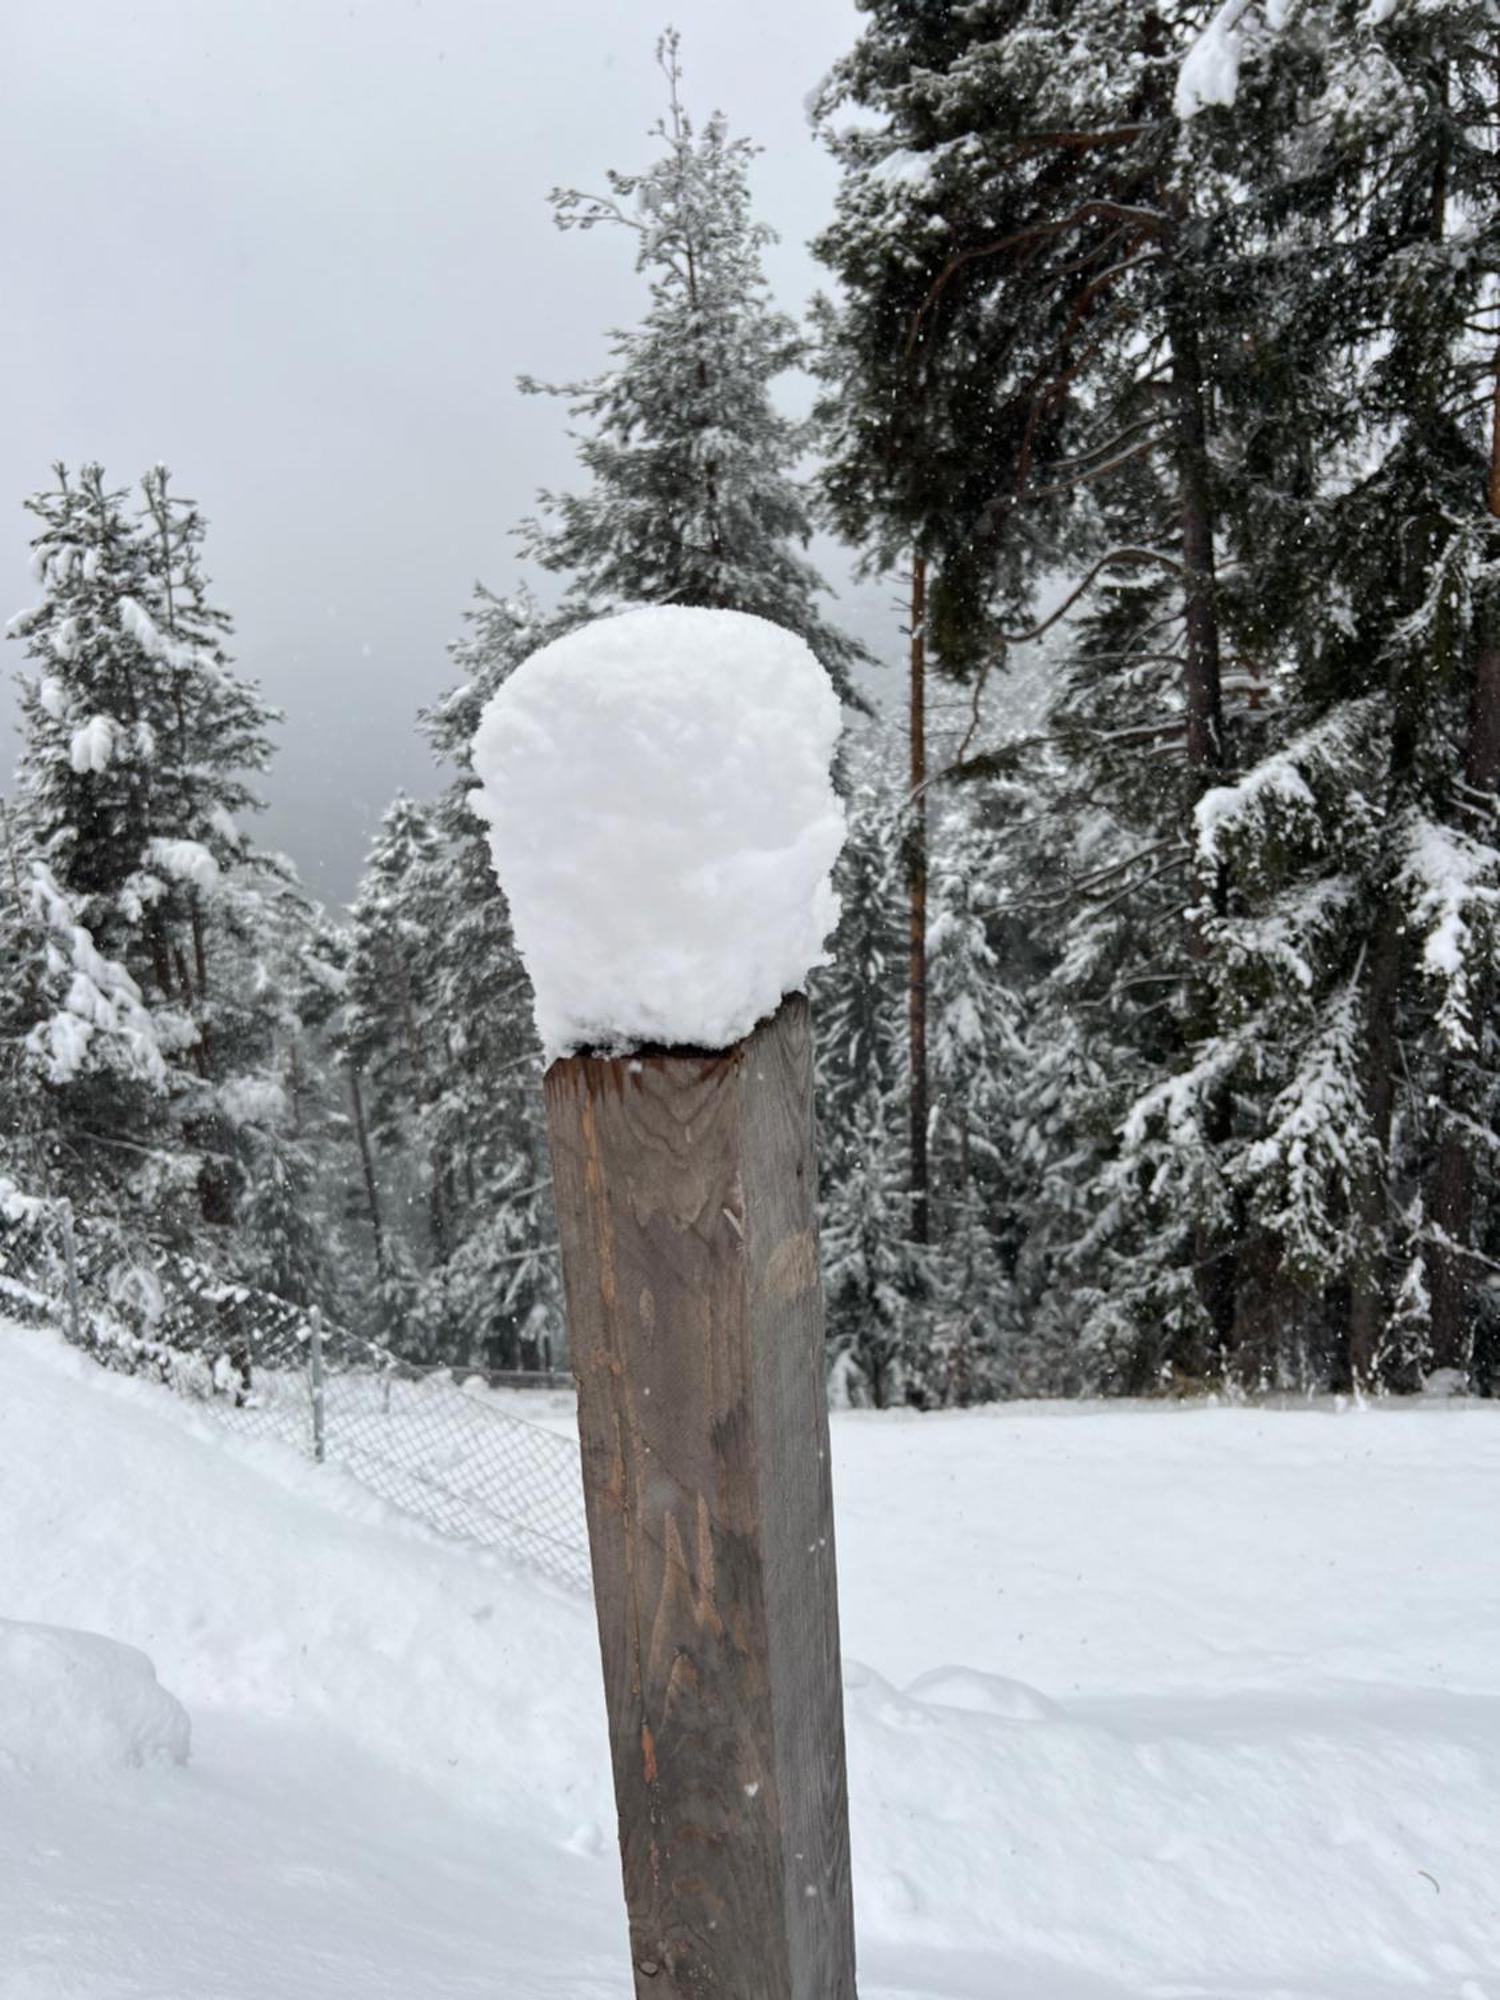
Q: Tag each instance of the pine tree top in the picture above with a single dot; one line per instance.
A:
(693, 495)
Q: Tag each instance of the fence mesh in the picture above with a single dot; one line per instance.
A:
(436, 1448)
(434, 1444)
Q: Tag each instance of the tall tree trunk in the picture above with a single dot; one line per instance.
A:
(1213, 1250)
(295, 1079)
(917, 886)
(437, 1207)
(1369, 1292)
(1367, 1363)
(1450, 1205)
(1203, 690)
(200, 948)
(367, 1168)
(1450, 1211)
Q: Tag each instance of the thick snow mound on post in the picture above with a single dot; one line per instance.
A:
(76, 1702)
(663, 821)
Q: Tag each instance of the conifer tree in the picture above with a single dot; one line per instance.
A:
(140, 742)
(436, 1034)
(978, 1071)
(1432, 259)
(876, 1274)
(1030, 219)
(275, 1101)
(692, 494)
(389, 1043)
(76, 1041)
(502, 1277)
(1387, 192)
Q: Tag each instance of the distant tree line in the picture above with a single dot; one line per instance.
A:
(1160, 371)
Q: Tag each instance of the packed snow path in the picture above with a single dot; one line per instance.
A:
(1142, 1702)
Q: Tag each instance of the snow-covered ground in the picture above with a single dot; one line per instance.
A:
(1185, 1703)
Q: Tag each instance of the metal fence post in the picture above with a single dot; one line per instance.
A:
(315, 1376)
(70, 1261)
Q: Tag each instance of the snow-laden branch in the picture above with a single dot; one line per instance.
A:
(1281, 789)
(1452, 883)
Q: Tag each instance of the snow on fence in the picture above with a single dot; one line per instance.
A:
(436, 1445)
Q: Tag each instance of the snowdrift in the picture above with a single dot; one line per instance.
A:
(1140, 1700)
(74, 1702)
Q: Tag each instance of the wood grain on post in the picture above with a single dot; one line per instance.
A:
(685, 1194)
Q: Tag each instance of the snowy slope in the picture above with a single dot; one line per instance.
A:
(1207, 1703)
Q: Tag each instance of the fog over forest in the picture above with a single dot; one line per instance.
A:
(299, 251)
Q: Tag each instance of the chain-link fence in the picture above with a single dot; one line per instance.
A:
(432, 1442)
(434, 1446)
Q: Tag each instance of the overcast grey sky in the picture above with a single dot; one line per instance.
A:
(299, 250)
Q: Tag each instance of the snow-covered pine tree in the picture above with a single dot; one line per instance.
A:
(1090, 247)
(877, 1278)
(928, 397)
(979, 1067)
(1395, 691)
(21, 1151)
(275, 1100)
(955, 351)
(1252, 1114)
(239, 906)
(328, 1099)
(436, 1036)
(1316, 1095)
(501, 1279)
(1431, 266)
(96, 714)
(693, 496)
(139, 744)
(940, 1321)
(76, 836)
(931, 406)
(75, 1039)
(77, 1042)
(391, 1045)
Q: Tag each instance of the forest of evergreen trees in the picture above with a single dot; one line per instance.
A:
(1159, 370)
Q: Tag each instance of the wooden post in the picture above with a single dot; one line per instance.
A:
(685, 1196)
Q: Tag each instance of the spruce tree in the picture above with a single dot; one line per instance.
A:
(876, 1274)
(979, 1066)
(692, 495)
(502, 1276)
(436, 1035)
(140, 745)
(1392, 640)
(390, 1043)
(1029, 218)
(926, 400)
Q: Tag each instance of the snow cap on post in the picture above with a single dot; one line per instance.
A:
(664, 824)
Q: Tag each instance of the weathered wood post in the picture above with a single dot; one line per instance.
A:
(663, 824)
(685, 1195)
